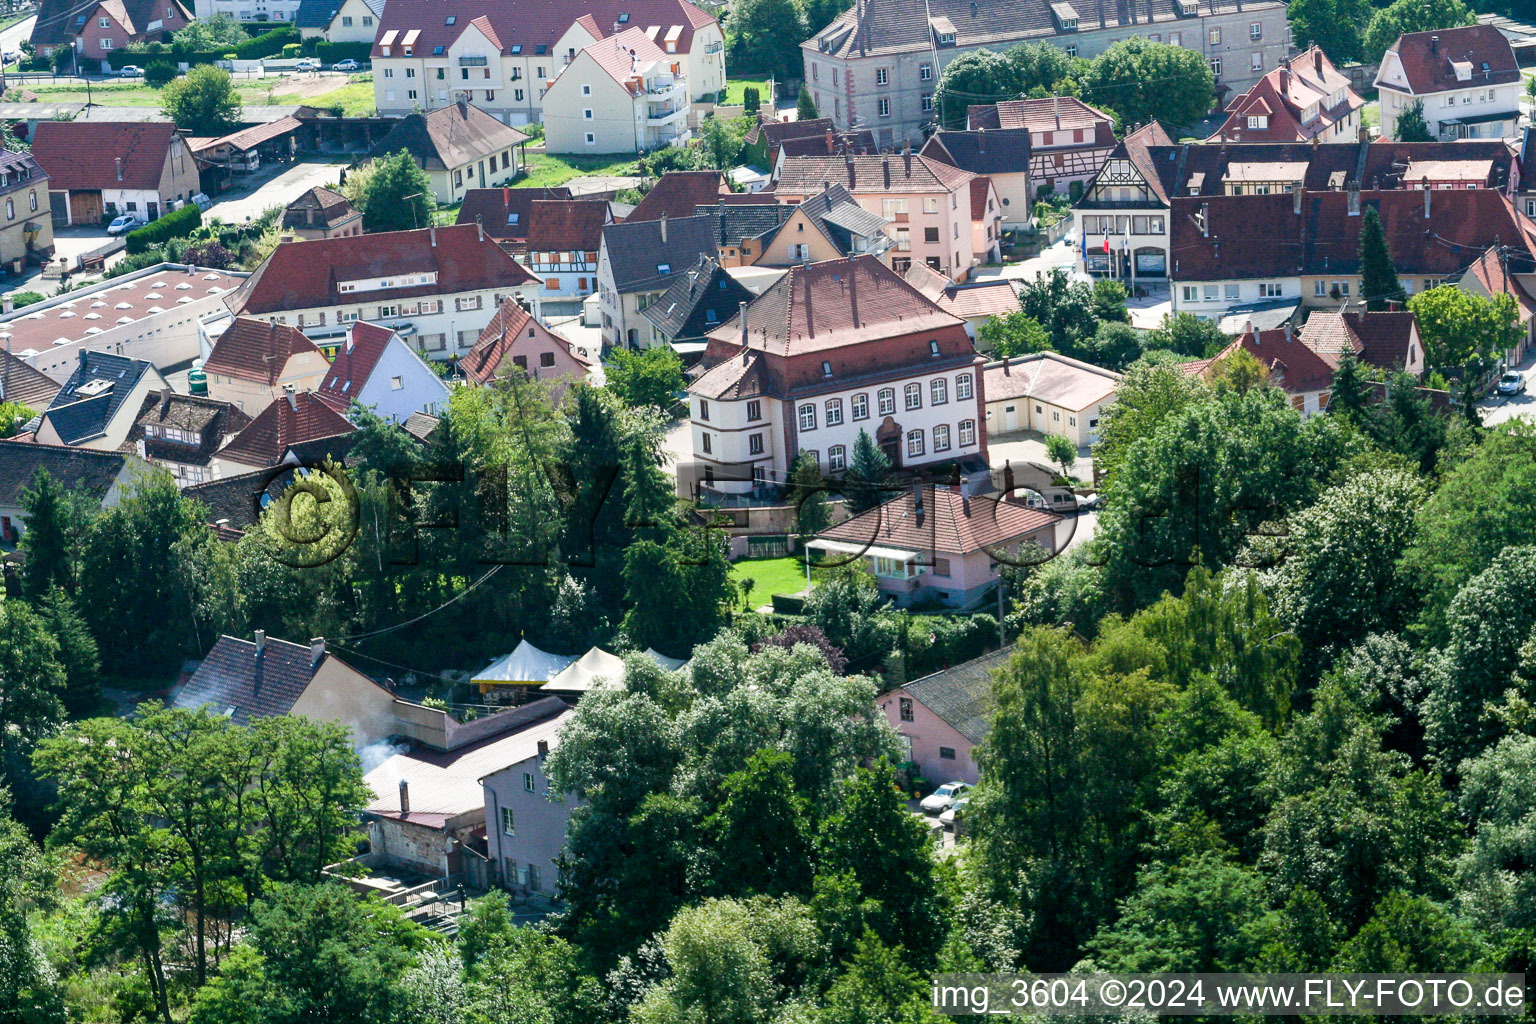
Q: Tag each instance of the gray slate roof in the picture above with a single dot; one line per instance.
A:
(79, 470)
(237, 682)
(316, 13)
(79, 417)
(746, 220)
(641, 261)
(698, 301)
(962, 696)
(995, 151)
(236, 500)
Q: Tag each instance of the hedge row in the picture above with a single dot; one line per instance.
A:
(173, 225)
(330, 53)
(268, 44)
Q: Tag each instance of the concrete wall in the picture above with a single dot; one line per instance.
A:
(538, 826)
(926, 733)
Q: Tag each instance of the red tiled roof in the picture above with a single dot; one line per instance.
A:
(676, 193)
(946, 522)
(1428, 58)
(1489, 271)
(624, 54)
(287, 421)
(837, 302)
(1380, 338)
(859, 140)
(574, 225)
(1291, 365)
(354, 362)
(529, 24)
(256, 350)
(505, 212)
(1053, 113)
(1264, 236)
(981, 186)
(84, 154)
(776, 131)
(304, 275)
(508, 325)
(1284, 95)
(896, 173)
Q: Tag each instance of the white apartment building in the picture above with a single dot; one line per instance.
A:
(622, 94)
(1466, 78)
(503, 56)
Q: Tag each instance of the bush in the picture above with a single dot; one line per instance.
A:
(20, 299)
(173, 225)
(788, 604)
(290, 50)
(330, 53)
(159, 74)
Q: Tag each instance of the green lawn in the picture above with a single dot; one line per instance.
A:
(355, 98)
(736, 87)
(544, 169)
(771, 576)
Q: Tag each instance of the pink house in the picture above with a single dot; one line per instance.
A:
(942, 717)
(515, 342)
(936, 544)
(113, 24)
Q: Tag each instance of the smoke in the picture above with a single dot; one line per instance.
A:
(376, 753)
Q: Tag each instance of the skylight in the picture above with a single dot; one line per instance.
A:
(452, 18)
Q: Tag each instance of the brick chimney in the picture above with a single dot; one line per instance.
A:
(1434, 50)
(316, 652)
(405, 798)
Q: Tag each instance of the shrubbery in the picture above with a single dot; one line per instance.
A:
(173, 225)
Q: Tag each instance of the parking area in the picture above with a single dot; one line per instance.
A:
(272, 186)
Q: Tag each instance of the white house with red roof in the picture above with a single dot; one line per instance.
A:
(502, 56)
(1305, 98)
(936, 543)
(622, 94)
(374, 368)
(1467, 79)
(437, 286)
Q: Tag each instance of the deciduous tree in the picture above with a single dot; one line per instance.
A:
(202, 101)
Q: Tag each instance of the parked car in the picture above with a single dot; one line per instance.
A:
(1511, 383)
(1087, 502)
(944, 797)
(955, 813)
(124, 224)
(307, 64)
(345, 65)
(201, 201)
(130, 71)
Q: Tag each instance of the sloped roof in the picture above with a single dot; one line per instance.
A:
(1044, 114)
(354, 363)
(1283, 97)
(84, 154)
(421, 425)
(946, 522)
(303, 275)
(677, 193)
(1001, 151)
(1289, 364)
(332, 207)
(234, 680)
(255, 135)
(1428, 58)
(979, 298)
(623, 55)
(776, 131)
(962, 696)
(740, 221)
(21, 383)
(210, 419)
(558, 225)
(77, 470)
(521, 27)
(449, 137)
(316, 13)
(697, 302)
(78, 415)
(508, 324)
(236, 500)
(1378, 338)
(256, 350)
(838, 302)
(505, 212)
(899, 173)
(287, 421)
(1060, 380)
(741, 376)
(640, 258)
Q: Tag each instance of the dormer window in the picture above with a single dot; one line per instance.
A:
(933, 348)
(1065, 15)
(623, 19)
(826, 368)
(663, 268)
(1188, 7)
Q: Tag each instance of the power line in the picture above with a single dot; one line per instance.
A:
(427, 614)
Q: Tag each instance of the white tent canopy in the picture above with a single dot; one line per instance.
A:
(527, 665)
(670, 664)
(597, 668)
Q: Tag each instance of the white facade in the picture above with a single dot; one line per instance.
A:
(563, 275)
(756, 431)
(587, 110)
(279, 11)
(1494, 110)
(511, 86)
(1210, 300)
(401, 384)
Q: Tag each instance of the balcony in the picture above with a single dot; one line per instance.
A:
(657, 116)
(665, 86)
(473, 62)
(714, 47)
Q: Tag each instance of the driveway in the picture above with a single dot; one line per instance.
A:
(247, 201)
(1497, 409)
(1062, 255)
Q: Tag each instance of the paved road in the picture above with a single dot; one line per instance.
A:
(1497, 410)
(239, 204)
(11, 38)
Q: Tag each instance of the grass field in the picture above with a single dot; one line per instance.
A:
(545, 169)
(771, 576)
(735, 87)
(355, 98)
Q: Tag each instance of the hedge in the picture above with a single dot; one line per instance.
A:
(330, 53)
(268, 44)
(173, 225)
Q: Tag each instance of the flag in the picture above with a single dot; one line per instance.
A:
(1106, 241)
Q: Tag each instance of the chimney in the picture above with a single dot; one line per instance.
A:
(831, 141)
(1056, 109)
(479, 230)
(1296, 202)
(350, 343)
(1317, 60)
(885, 163)
(316, 652)
(981, 140)
(741, 313)
(1205, 220)
(8, 302)
(292, 396)
(810, 313)
(463, 105)
(1288, 337)
(954, 481)
(405, 798)
(907, 155)
(119, 168)
(261, 642)
(432, 234)
(853, 290)
(165, 400)
(506, 197)
(852, 177)
(543, 749)
(1285, 79)
(1428, 193)
(1255, 332)
(663, 228)
(1354, 199)
(1434, 51)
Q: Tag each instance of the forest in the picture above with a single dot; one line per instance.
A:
(1280, 714)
